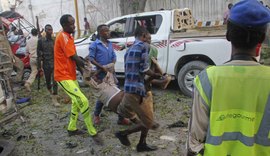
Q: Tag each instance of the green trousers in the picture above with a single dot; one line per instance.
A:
(79, 104)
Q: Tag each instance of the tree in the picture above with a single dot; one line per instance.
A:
(132, 6)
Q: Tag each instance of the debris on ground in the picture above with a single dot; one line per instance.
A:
(71, 145)
(169, 138)
(45, 129)
(177, 124)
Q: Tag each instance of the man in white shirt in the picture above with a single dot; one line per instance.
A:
(31, 49)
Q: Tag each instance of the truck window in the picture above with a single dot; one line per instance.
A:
(151, 23)
(117, 28)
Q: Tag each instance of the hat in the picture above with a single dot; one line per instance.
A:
(249, 13)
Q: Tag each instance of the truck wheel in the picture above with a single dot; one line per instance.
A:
(187, 74)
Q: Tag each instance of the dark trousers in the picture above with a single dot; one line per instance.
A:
(98, 109)
(50, 83)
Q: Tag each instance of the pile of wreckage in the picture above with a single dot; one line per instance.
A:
(8, 108)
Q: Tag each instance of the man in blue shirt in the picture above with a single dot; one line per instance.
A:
(102, 54)
(132, 105)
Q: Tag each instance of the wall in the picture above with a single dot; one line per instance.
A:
(50, 11)
(100, 11)
(202, 9)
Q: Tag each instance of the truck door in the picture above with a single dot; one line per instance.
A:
(119, 39)
(153, 23)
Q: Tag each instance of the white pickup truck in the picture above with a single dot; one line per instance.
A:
(183, 48)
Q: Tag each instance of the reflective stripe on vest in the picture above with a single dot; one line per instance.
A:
(204, 85)
(207, 88)
(260, 138)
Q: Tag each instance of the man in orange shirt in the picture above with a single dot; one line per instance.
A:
(65, 61)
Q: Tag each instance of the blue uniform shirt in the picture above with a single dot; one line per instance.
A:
(136, 64)
(101, 54)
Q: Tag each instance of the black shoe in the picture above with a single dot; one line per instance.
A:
(76, 132)
(98, 140)
(146, 148)
(123, 138)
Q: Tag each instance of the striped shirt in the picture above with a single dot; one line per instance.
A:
(136, 64)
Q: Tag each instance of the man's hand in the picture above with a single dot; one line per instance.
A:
(99, 66)
(109, 67)
(79, 61)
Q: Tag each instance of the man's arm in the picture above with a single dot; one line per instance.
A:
(93, 61)
(113, 56)
(152, 74)
(79, 61)
(198, 125)
(146, 67)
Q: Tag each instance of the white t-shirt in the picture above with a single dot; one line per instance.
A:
(31, 46)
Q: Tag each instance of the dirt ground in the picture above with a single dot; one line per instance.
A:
(44, 132)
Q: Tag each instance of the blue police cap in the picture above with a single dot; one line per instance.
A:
(249, 13)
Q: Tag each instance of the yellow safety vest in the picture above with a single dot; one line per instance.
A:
(238, 100)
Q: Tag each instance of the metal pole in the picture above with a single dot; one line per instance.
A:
(30, 7)
(77, 19)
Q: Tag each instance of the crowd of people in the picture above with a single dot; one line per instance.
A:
(230, 112)
(102, 55)
(58, 59)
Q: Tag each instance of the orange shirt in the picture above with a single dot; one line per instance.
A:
(64, 66)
